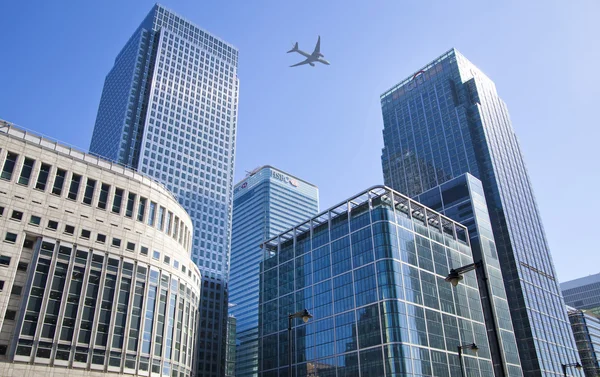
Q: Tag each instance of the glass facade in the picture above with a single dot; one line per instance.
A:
(586, 329)
(446, 120)
(583, 293)
(230, 353)
(169, 110)
(266, 203)
(371, 272)
(462, 199)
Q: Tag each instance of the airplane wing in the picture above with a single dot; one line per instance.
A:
(317, 50)
(301, 63)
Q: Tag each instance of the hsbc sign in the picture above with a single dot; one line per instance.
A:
(284, 178)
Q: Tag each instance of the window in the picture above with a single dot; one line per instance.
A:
(176, 264)
(17, 215)
(130, 246)
(1, 211)
(101, 238)
(85, 234)
(161, 217)
(74, 188)
(130, 203)
(117, 200)
(116, 242)
(69, 229)
(28, 244)
(59, 181)
(10, 237)
(42, 179)
(152, 214)
(9, 165)
(1, 285)
(168, 228)
(88, 195)
(22, 266)
(10, 314)
(26, 171)
(53, 225)
(35, 220)
(104, 189)
(4, 260)
(16, 290)
(144, 250)
(156, 255)
(141, 209)
(167, 260)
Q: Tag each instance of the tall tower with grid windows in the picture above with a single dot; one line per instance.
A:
(169, 110)
(445, 120)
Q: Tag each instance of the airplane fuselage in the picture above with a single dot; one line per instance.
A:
(312, 58)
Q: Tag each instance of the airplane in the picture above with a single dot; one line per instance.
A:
(316, 55)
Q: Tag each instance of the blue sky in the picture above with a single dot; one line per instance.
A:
(324, 124)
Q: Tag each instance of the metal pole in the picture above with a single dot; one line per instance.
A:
(290, 345)
(462, 368)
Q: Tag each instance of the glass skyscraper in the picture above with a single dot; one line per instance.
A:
(265, 203)
(169, 110)
(445, 120)
(462, 199)
(371, 271)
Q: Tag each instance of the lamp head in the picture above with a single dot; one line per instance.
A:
(474, 348)
(454, 277)
(306, 316)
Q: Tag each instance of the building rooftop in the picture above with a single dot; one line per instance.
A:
(580, 282)
(401, 202)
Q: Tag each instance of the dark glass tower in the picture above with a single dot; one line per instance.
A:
(169, 110)
(445, 120)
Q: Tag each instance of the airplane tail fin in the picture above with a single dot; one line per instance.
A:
(295, 48)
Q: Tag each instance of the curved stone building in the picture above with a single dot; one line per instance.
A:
(95, 270)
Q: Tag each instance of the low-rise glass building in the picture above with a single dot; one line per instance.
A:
(586, 329)
(371, 271)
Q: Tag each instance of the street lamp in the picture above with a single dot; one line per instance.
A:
(471, 346)
(305, 315)
(564, 367)
(456, 275)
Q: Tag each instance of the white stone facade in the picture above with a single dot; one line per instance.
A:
(95, 269)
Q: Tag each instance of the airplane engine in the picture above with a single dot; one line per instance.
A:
(312, 64)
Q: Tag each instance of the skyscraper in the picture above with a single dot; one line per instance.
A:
(265, 203)
(445, 120)
(169, 110)
(371, 271)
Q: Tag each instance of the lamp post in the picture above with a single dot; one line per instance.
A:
(564, 367)
(473, 347)
(305, 315)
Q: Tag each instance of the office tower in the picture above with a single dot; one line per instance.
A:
(371, 272)
(586, 329)
(96, 275)
(462, 199)
(265, 203)
(446, 120)
(169, 110)
(583, 293)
